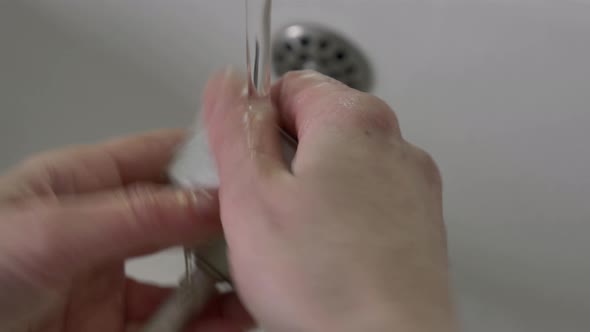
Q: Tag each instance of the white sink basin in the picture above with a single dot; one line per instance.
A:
(498, 91)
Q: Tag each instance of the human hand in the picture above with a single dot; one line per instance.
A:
(350, 237)
(70, 218)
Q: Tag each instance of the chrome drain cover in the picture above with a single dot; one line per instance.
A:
(306, 46)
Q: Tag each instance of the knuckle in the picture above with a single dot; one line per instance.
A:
(52, 157)
(36, 161)
(43, 172)
(309, 76)
(52, 171)
(150, 141)
(293, 75)
(306, 84)
(312, 84)
(367, 110)
(334, 101)
(144, 211)
(428, 166)
(304, 74)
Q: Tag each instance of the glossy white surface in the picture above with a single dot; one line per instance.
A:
(498, 91)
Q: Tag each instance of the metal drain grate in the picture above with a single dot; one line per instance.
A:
(306, 46)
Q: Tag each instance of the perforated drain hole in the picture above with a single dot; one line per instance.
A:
(312, 47)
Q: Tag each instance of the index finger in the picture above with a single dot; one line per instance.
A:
(312, 104)
(119, 162)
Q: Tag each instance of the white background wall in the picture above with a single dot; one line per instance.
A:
(498, 91)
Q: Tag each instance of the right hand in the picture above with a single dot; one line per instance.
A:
(350, 237)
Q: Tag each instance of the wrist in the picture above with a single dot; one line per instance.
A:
(408, 315)
(394, 321)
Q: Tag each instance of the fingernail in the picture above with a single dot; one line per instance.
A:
(313, 75)
(315, 79)
(187, 197)
(200, 204)
(229, 72)
(205, 194)
(231, 83)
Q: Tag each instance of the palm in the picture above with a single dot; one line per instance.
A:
(104, 300)
(96, 297)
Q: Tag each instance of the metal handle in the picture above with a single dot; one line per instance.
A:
(188, 300)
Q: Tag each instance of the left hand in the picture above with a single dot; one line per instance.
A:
(68, 221)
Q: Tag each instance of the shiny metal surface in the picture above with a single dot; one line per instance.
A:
(312, 46)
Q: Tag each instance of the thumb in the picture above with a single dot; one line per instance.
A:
(83, 233)
(244, 134)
